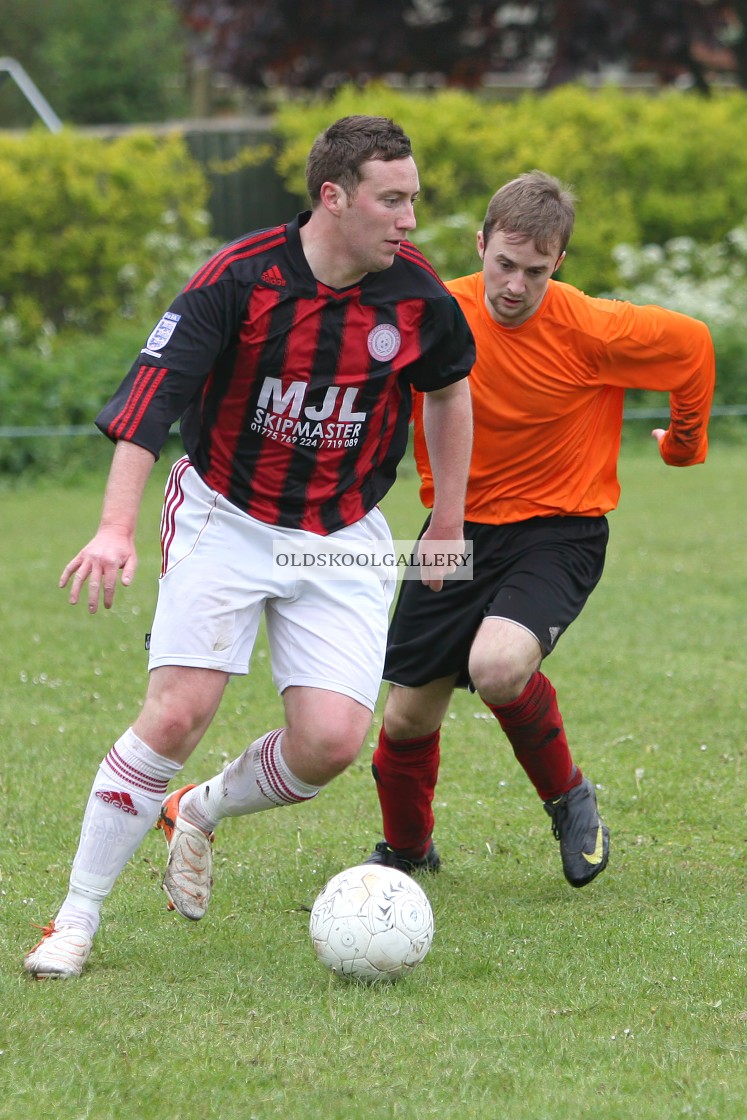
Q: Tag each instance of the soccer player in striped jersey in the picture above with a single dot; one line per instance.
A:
(547, 389)
(290, 360)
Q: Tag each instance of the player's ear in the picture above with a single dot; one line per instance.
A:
(332, 197)
(559, 261)
(480, 245)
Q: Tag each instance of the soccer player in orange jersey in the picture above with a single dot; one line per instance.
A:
(547, 389)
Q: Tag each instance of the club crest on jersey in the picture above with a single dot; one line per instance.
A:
(162, 332)
(384, 342)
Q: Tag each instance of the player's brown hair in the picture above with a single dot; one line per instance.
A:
(536, 206)
(337, 153)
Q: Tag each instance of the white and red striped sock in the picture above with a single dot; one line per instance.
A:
(123, 805)
(258, 779)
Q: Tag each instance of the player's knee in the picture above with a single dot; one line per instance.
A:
(497, 680)
(407, 724)
(410, 713)
(168, 725)
(403, 721)
(335, 749)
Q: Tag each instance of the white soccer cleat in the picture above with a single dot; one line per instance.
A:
(60, 955)
(189, 871)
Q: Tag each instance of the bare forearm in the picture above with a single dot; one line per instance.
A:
(112, 550)
(129, 472)
(447, 423)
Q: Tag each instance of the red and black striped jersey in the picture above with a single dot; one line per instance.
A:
(294, 398)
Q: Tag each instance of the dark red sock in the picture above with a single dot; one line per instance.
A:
(534, 728)
(406, 772)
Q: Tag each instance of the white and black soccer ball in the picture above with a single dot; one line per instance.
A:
(371, 923)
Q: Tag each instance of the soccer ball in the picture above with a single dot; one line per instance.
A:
(371, 923)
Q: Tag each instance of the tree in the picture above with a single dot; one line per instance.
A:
(317, 44)
(98, 62)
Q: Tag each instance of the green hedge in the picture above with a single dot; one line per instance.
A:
(87, 224)
(646, 168)
(62, 389)
(96, 229)
(98, 236)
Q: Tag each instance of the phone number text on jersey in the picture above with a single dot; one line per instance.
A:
(333, 434)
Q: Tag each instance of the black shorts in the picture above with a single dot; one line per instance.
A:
(537, 573)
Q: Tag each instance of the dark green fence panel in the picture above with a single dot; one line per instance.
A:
(244, 195)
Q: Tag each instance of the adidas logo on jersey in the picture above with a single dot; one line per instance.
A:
(121, 801)
(273, 276)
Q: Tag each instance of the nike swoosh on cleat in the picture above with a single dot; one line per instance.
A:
(596, 856)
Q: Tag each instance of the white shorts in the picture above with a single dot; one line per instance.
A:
(218, 577)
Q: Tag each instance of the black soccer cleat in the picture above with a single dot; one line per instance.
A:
(584, 839)
(391, 857)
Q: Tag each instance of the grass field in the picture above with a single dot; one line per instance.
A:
(624, 1001)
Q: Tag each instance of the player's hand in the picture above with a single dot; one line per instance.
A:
(438, 557)
(110, 552)
(658, 434)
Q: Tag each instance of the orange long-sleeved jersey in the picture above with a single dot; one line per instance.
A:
(548, 400)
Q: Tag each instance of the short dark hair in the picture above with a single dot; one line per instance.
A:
(337, 153)
(535, 205)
